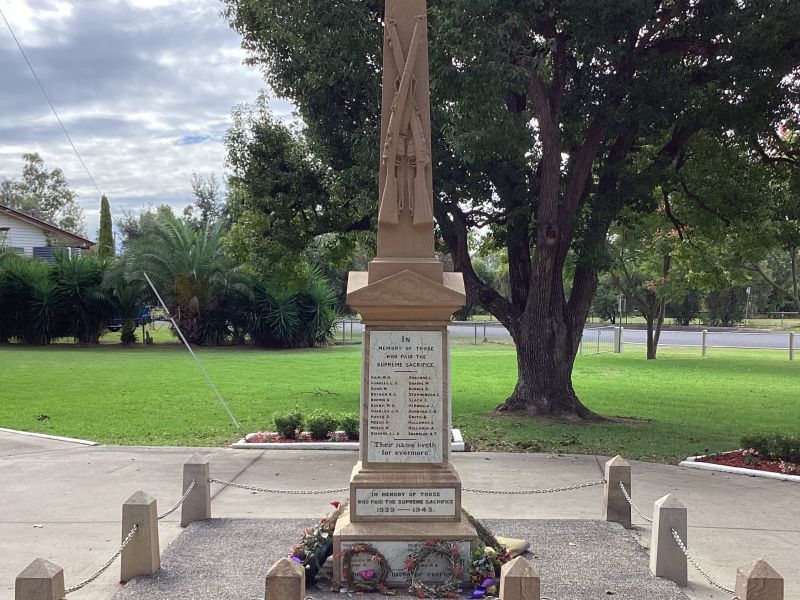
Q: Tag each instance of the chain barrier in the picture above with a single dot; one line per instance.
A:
(253, 488)
(545, 491)
(179, 502)
(105, 567)
(633, 506)
(700, 570)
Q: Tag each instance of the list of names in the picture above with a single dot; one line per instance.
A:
(405, 422)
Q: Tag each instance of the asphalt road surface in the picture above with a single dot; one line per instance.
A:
(715, 338)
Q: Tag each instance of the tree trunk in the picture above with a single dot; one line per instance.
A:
(652, 348)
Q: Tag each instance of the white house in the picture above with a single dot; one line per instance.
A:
(35, 238)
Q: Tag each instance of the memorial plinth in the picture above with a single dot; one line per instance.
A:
(404, 489)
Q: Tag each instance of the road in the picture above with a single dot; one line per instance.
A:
(715, 338)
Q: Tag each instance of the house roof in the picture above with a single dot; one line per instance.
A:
(45, 225)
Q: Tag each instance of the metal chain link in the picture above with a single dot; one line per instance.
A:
(179, 502)
(105, 567)
(700, 570)
(633, 506)
(545, 491)
(253, 488)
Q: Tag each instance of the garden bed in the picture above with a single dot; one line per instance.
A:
(744, 462)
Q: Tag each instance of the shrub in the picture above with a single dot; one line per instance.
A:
(320, 424)
(288, 424)
(350, 423)
(759, 443)
(778, 446)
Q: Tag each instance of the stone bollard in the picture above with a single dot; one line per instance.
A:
(286, 580)
(666, 557)
(141, 556)
(197, 506)
(758, 581)
(616, 507)
(41, 580)
(519, 580)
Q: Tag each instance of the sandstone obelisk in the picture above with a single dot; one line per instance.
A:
(404, 488)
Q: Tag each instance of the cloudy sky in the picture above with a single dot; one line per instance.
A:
(144, 87)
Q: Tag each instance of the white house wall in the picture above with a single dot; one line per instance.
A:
(21, 234)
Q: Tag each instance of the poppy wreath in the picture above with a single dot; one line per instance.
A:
(366, 580)
(451, 553)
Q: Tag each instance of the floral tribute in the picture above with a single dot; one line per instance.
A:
(365, 580)
(316, 543)
(433, 547)
(484, 571)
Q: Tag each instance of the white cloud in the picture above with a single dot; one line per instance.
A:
(144, 87)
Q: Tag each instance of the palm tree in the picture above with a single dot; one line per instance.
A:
(127, 297)
(192, 273)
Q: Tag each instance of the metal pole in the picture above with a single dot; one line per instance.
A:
(705, 342)
(189, 348)
(484, 332)
(351, 329)
(791, 345)
(476, 334)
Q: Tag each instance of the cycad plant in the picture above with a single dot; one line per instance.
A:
(86, 306)
(278, 318)
(30, 302)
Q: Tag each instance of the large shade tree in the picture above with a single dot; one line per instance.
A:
(549, 119)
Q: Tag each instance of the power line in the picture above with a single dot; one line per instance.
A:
(46, 97)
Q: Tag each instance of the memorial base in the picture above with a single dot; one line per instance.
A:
(396, 540)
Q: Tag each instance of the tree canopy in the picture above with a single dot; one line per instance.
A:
(44, 193)
(550, 120)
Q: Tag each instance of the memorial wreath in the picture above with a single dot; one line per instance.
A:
(365, 580)
(432, 547)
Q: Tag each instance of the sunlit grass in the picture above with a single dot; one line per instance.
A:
(681, 403)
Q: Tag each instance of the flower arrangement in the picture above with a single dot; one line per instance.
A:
(484, 571)
(450, 552)
(316, 543)
(366, 580)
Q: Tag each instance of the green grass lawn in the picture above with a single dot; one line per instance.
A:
(155, 395)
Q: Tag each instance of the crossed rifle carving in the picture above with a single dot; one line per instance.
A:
(404, 116)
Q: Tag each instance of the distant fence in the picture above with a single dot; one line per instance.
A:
(598, 340)
(705, 340)
(608, 339)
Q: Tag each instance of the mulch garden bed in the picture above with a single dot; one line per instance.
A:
(743, 460)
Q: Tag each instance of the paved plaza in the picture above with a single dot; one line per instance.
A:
(62, 501)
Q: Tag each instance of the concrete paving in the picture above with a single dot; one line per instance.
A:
(576, 560)
(63, 502)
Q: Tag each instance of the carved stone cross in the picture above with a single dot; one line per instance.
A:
(405, 214)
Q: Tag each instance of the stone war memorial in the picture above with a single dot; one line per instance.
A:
(401, 529)
(404, 489)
